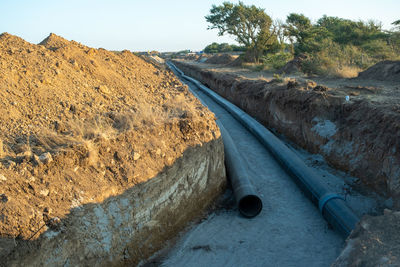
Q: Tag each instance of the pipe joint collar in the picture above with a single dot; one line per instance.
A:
(326, 198)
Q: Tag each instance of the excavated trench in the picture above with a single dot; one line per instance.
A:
(288, 220)
(354, 136)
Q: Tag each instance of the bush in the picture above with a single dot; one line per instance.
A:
(343, 60)
(278, 78)
(276, 61)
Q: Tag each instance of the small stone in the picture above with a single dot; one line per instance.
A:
(46, 158)
(54, 223)
(136, 156)
(311, 84)
(2, 177)
(44, 192)
(158, 152)
(170, 160)
(36, 159)
(47, 210)
(3, 198)
(104, 89)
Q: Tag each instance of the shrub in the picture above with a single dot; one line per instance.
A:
(278, 78)
(276, 61)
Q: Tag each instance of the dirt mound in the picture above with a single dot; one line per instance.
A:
(203, 58)
(384, 71)
(238, 62)
(80, 124)
(54, 42)
(221, 59)
(293, 66)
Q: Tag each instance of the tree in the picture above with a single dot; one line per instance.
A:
(394, 37)
(303, 35)
(280, 32)
(344, 31)
(221, 48)
(251, 26)
(396, 24)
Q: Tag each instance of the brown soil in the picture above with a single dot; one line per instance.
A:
(293, 66)
(238, 62)
(359, 136)
(80, 124)
(221, 59)
(384, 71)
(202, 58)
(374, 242)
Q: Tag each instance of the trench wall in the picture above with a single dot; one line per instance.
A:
(127, 229)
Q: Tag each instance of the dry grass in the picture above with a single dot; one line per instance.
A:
(346, 72)
(107, 126)
(253, 66)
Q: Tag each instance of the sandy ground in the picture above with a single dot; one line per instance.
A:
(288, 232)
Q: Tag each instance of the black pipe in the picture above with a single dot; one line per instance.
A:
(248, 201)
(332, 206)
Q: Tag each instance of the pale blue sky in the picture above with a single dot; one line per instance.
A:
(141, 25)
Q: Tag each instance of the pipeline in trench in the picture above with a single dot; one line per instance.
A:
(331, 205)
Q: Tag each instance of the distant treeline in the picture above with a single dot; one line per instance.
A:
(328, 43)
(223, 48)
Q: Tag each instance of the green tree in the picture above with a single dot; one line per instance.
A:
(211, 48)
(303, 35)
(344, 31)
(222, 48)
(250, 25)
(394, 37)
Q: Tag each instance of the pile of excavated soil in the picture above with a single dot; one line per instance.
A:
(80, 124)
(238, 62)
(203, 58)
(384, 71)
(221, 59)
(293, 66)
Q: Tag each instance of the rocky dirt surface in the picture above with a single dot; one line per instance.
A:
(375, 242)
(79, 125)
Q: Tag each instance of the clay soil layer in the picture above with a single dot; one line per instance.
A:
(359, 135)
(80, 125)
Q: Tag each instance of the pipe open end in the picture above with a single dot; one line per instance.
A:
(250, 206)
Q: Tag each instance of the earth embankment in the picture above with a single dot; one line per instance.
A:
(93, 143)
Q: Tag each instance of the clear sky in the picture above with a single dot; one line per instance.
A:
(141, 25)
